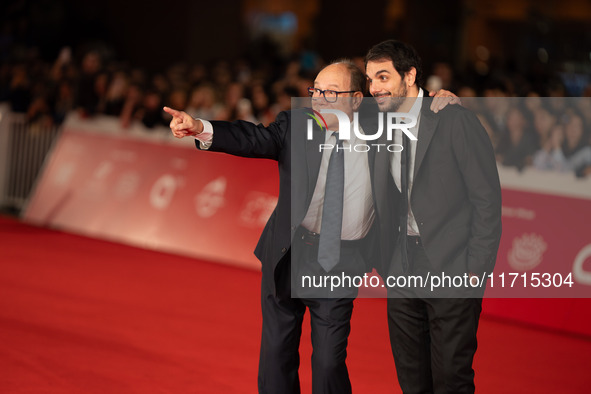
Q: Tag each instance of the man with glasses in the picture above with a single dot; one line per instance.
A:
(295, 225)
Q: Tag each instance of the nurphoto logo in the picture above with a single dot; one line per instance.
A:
(317, 118)
(345, 129)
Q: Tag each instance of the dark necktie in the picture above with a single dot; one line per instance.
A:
(404, 156)
(329, 248)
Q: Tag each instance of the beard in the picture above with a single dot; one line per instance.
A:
(396, 100)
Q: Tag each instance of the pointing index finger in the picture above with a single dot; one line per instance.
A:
(171, 111)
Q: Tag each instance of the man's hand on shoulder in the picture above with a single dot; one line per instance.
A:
(182, 124)
(442, 98)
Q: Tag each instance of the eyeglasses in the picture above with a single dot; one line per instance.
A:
(329, 95)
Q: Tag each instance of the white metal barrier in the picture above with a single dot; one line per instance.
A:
(23, 148)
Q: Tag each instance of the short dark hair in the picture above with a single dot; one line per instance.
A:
(358, 79)
(402, 55)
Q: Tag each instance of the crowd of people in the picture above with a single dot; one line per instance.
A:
(222, 91)
(549, 133)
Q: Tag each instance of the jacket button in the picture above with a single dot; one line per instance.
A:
(283, 250)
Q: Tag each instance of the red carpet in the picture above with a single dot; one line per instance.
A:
(79, 315)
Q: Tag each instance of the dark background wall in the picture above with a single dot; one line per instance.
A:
(522, 36)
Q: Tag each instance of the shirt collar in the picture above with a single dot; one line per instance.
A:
(416, 107)
(353, 137)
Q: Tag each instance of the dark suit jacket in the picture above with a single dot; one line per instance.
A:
(456, 194)
(298, 163)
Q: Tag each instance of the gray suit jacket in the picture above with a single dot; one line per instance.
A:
(456, 195)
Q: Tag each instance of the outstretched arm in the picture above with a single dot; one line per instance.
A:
(240, 138)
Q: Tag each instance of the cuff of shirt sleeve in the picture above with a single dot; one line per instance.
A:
(206, 136)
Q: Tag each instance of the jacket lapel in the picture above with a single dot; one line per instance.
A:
(313, 159)
(427, 127)
(379, 163)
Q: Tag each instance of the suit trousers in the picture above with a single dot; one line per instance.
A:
(282, 328)
(433, 339)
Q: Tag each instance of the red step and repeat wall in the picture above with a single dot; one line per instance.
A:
(546, 245)
(157, 192)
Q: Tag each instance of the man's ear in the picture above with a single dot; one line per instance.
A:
(357, 98)
(410, 77)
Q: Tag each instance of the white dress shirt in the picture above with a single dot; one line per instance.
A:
(358, 212)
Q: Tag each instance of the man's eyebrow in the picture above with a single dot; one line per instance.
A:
(332, 85)
(378, 73)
